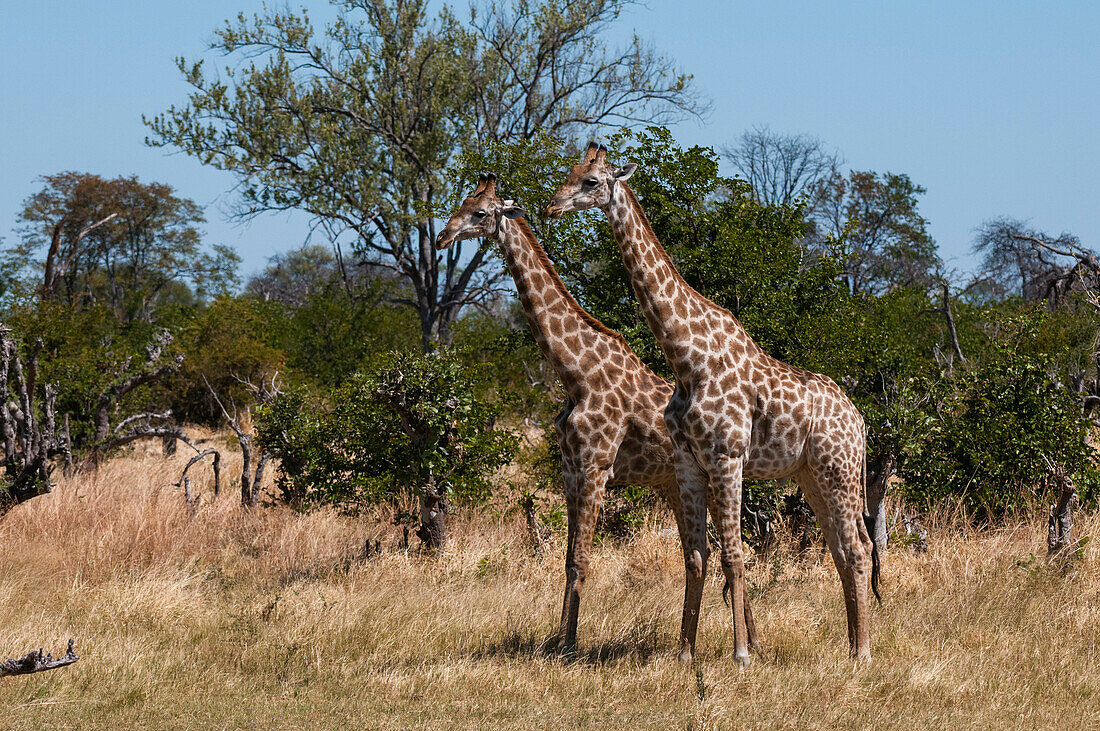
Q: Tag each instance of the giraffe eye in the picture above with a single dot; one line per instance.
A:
(479, 214)
(590, 182)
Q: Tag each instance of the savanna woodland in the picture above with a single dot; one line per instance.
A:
(332, 490)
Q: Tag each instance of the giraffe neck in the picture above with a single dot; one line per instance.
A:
(674, 311)
(551, 311)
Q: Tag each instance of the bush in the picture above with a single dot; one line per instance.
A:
(412, 425)
(996, 431)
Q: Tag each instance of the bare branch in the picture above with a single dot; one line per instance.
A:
(165, 432)
(146, 417)
(217, 468)
(36, 662)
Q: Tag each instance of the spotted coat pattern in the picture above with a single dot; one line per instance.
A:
(611, 428)
(736, 413)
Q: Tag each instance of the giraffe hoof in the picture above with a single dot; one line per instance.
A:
(685, 658)
(742, 658)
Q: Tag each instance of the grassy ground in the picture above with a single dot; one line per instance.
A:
(273, 620)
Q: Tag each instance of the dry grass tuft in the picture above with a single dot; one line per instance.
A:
(219, 618)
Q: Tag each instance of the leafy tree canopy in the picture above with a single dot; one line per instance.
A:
(357, 124)
(133, 246)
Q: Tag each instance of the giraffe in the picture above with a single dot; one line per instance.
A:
(736, 413)
(611, 428)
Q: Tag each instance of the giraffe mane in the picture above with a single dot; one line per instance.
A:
(544, 259)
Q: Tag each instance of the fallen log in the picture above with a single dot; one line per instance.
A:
(36, 662)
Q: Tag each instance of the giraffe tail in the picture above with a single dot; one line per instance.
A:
(867, 531)
(875, 566)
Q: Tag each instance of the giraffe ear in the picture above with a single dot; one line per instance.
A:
(624, 172)
(511, 210)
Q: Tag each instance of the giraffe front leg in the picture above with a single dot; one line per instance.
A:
(692, 522)
(750, 624)
(725, 482)
(572, 497)
(584, 510)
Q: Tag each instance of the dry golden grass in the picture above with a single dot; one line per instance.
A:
(272, 620)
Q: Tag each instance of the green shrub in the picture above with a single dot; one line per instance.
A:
(996, 429)
(410, 424)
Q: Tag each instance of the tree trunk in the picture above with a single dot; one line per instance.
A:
(951, 322)
(879, 473)
(245, 440)
(533, 532)
(801, 519)
(433, 529)
(1060, 520)
(29, 442)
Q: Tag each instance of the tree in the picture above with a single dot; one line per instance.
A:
(291, 277)
(357, 125)
(129, 244)
(29, 427)
(263, 394)
(1020, 260)
(999, 428)
(229, 343)
(873, 221)
(414, 426)
(782, 169)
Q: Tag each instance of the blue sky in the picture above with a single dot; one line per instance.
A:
(992, 106)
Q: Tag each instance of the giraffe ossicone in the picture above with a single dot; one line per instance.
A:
(611, 428)
(736, 413)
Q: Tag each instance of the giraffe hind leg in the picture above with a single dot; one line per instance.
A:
(567, 632)
(836, 503)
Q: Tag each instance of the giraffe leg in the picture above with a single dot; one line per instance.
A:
(836, 503)
(725, 481)
(750, 624)
(587, 501)
(572, 494)
(692, 481)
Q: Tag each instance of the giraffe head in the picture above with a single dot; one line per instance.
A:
(479, 215)
(589, 184)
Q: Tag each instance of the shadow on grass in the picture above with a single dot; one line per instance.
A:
(640, 642)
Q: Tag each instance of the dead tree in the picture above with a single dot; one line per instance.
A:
(149, 425)
(915, 530)
(28, 425)
(950, 319)
(880, 470)
(1060, 517)
(58, 262)
(756, 526)
(535, 532)
(185, 481)
(265, 393)
(36, 662)
(801, 518)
